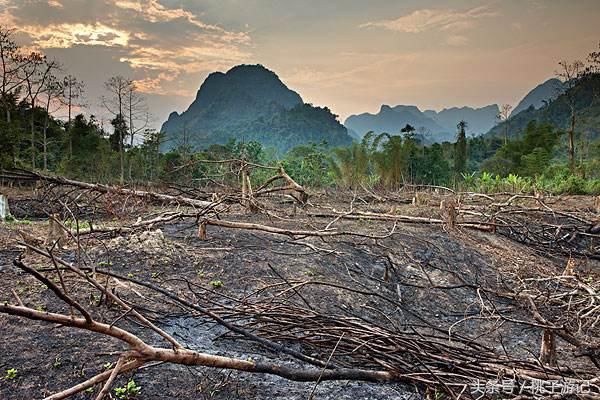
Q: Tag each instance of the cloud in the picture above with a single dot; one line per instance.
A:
(434, 20)
(457, 40)
(159, 44)
(55, 3)
(69, 35)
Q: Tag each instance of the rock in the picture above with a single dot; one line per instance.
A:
(4, 210)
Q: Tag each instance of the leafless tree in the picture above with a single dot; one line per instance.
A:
(118, 88)
(52, 93)
(36, 74)
(570, 73)
(12, 64)
(139, 116)
(71, 97)
(504, 116)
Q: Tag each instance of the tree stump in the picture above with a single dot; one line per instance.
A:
(4, 210)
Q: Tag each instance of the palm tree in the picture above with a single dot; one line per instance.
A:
(352, 164)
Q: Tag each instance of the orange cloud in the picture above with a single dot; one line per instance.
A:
(68, 35)
(55, 4)
(433, 19)
(158, 56)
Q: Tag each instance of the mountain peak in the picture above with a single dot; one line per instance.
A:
(549, 90)
(442, 125)
(251, 102)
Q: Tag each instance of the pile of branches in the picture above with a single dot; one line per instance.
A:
(343, 345)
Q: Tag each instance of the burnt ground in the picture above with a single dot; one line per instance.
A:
(50, 358)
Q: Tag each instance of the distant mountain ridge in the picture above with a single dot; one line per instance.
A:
(556, 111)
(538, 96)
(249, 102)
(437, 126)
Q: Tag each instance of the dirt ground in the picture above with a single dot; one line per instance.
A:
(233, 262)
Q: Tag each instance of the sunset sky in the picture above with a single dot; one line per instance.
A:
(350, 55)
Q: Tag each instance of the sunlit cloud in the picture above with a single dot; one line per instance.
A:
(457, 40)
(55, 4)
(147, 33)
(153, 11)
(69, 35)
(434, 19)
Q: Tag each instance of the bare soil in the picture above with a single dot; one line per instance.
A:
(50, 358)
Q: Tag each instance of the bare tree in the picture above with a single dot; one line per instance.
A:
(36, 73)
(570, 73)
(12, 64)
(139, 116)
(504, 116)
(53, 90)
(119, 88)
(71, 97)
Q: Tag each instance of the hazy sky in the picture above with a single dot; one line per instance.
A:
(351, 55)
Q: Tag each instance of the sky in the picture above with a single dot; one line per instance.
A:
(349, 55)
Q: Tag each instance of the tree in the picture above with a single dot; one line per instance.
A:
(460, 149)
(12, 76)
(52, 92)
(138, 114)
(119, 132)
(12, 64)
(71, 96)
(391, 160)
(36, 73)
(409, 131)
(352, 163)
(503, 117)
(118, 88)
(152, 141)
(570, 73)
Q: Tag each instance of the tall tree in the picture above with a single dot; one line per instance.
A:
(71, 97)
(52, 93)
(460, 149)
(12, 64)
(138, 114)
(409, 131)
(36, 73)
(12, 77)
(118, 88)
(570, 73)
(504, 116)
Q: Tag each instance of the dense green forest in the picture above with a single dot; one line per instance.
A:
(555, 149)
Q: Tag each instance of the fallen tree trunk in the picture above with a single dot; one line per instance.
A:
(60, 180)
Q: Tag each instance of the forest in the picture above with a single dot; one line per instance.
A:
(538, 154)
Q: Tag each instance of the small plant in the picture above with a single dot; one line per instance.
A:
(89, 390)
(130, 275)
(11, 374)
(486, 182)
(201, 274)
(128, 391)
(308, 272)
(469, 179)
(73, 224)
(216, 284)
(105, 264)
(94, 299)
(155, 275)
(57, 362)
(107, 365)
